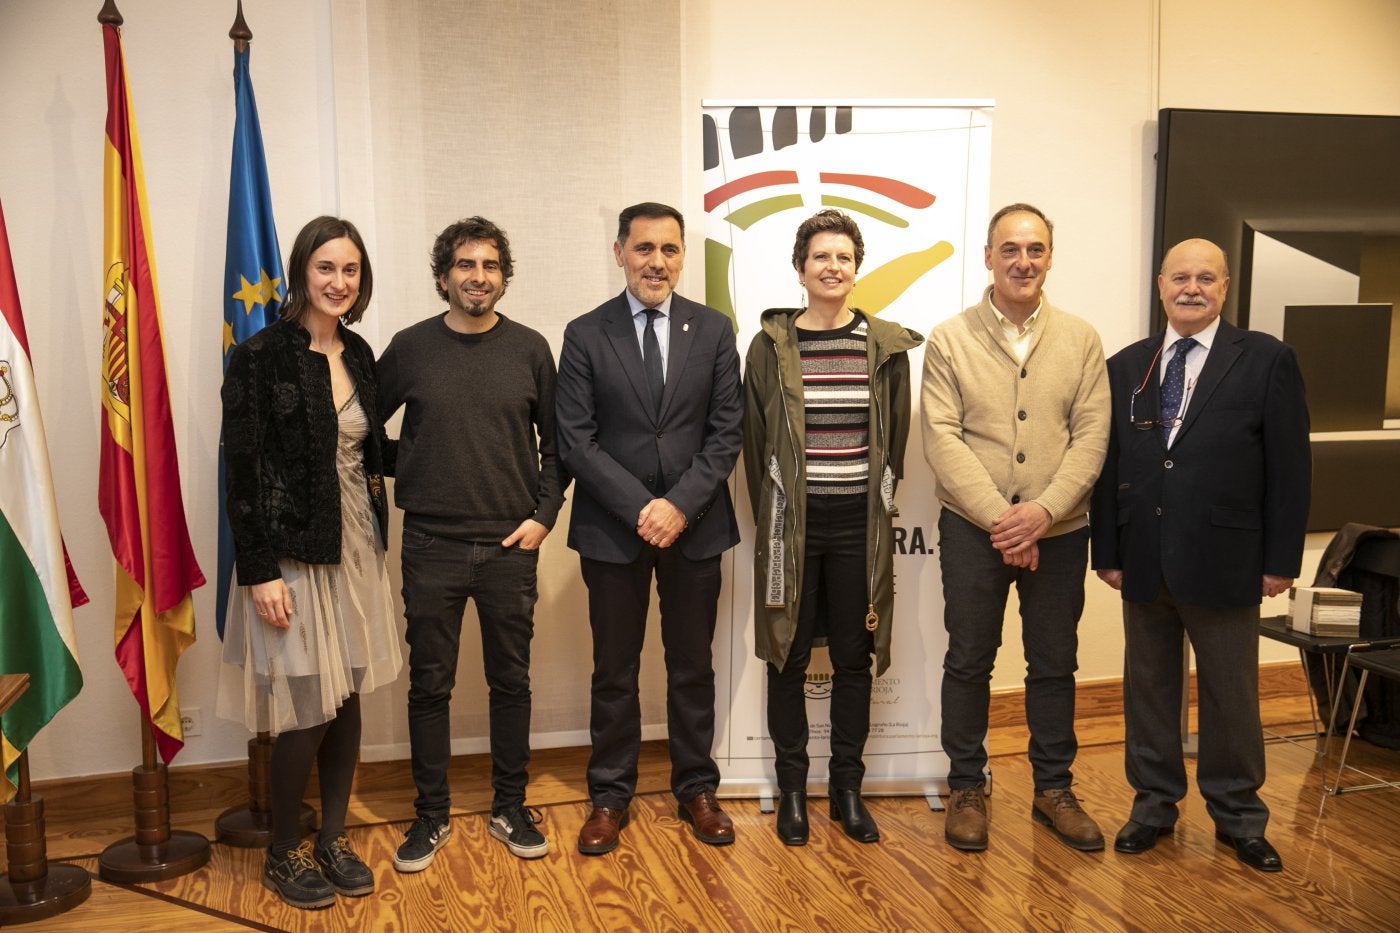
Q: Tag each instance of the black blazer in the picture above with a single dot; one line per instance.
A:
(280, 434)
(1228, 502)
(613, 444)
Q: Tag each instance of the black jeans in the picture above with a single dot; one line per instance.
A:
(834, 590)
(975, 586)
(439, 575)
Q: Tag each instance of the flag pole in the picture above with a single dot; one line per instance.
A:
(155, 852)
(249, 825)
(32, 889)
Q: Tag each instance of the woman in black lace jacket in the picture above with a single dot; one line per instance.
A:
(311, 623)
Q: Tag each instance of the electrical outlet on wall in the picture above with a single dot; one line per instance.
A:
(191, 721)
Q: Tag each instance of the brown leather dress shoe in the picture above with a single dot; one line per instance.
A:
(600, 831)
(1059, 809)
(707, 821)
(966, 824)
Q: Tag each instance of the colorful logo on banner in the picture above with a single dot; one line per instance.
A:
(763, 177)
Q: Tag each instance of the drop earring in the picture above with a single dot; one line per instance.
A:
(802, 300)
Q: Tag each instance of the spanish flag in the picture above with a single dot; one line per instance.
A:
(38, 588)
(139, 485)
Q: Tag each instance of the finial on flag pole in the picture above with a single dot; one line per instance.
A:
(110, 15)
(239, 31)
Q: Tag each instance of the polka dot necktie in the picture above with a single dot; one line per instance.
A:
(1174, 386)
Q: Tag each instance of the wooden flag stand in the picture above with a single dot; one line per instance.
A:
(155, 852)
(33, 889)
(249, 825)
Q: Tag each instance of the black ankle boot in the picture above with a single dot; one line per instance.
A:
(847, 807)
(792, 817)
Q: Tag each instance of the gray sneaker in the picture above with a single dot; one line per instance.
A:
(515, 826)
(421, 843)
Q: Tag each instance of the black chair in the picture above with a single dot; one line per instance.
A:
(1382, 657)
(1364, 559)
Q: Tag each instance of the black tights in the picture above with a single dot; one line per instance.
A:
(335, 746)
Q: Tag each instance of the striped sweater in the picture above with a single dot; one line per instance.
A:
(836, 390)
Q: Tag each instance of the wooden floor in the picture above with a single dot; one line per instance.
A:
(1341, 856)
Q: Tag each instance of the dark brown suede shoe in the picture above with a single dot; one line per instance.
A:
(600, 831)
(966, 825)
(707, 821)
(1059, 809)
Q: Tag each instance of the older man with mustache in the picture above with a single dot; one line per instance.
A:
(1199, 512)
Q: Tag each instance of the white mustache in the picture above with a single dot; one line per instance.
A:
(1195, 302)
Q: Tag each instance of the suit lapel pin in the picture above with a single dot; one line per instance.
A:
(685, 327)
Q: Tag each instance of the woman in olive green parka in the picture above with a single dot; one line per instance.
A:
(776, 443)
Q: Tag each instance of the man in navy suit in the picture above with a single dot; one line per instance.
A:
(649, 417)
(1200, 511)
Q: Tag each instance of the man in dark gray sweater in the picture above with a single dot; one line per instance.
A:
(479, 482)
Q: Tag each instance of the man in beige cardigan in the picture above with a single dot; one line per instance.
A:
(1016, 414)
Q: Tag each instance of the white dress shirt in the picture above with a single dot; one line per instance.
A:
(1019, 336)
(1195, 362)
(662, 326)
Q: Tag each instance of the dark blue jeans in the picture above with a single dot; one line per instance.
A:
(439, 576)
(975, 586)
(834, 590)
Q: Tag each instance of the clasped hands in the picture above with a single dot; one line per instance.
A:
(660, 523)
(1016, 532)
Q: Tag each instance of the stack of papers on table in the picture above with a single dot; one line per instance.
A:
(1326, 611)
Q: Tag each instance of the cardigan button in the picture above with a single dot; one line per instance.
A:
(1020, 458)
(1021, 415)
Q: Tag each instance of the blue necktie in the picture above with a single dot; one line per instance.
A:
(651, 359)
(1174, 386)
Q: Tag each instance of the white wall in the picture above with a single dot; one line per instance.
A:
(1077, 88)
